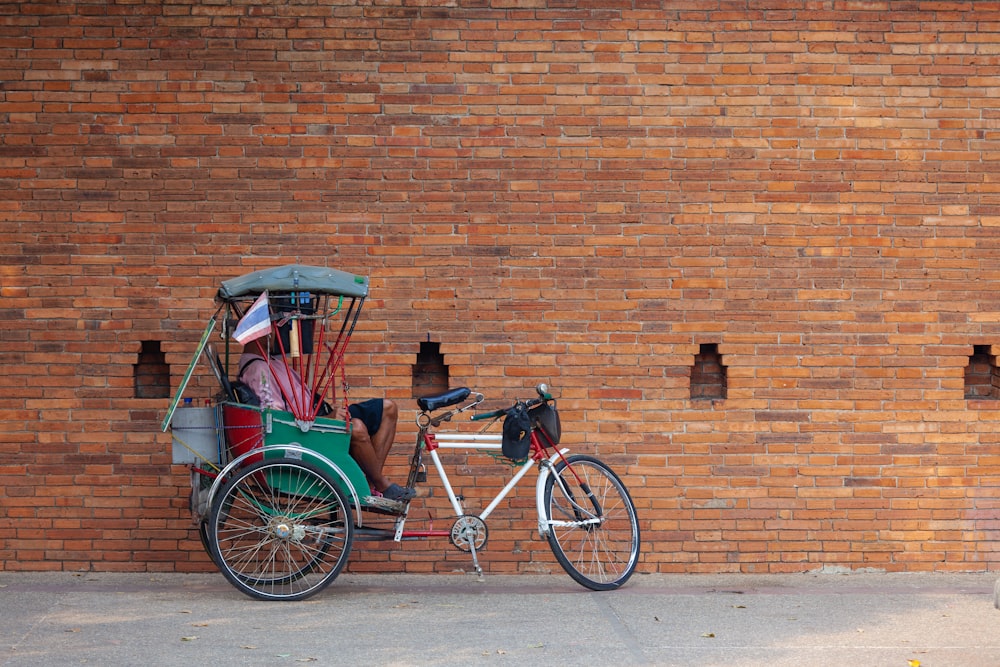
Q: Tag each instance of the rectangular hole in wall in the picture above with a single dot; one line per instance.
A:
(982, 380)
(708, 375)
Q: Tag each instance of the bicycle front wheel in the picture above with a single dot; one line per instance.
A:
(592, 524)
(280, 530)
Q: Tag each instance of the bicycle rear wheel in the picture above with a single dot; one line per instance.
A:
(280, 529)
(592, 523)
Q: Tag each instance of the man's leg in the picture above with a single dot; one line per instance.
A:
(386, 433)
(370, 452)
(363, 452)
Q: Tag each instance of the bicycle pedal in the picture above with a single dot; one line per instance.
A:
(384, 503)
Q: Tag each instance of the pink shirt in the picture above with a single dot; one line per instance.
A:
(276, 385)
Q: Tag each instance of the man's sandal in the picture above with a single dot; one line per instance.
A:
(398, 493)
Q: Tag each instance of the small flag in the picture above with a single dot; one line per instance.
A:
(255, 323)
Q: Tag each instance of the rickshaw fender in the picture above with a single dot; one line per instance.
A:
(543, 475)
(297, 452)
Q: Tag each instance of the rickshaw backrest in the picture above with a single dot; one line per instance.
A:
(284, 304)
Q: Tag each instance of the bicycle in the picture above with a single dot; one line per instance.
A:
(584, 510)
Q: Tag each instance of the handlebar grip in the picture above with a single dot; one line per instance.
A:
(488, 415)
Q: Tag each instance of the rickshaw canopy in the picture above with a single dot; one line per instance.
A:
(295, 278)
(294, 286)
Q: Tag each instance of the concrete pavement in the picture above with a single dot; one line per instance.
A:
(897, 620)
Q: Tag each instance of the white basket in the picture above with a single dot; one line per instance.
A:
(196, 435)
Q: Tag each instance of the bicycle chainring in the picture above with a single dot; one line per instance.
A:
(469, 531)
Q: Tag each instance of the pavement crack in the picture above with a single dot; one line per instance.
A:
(23, 639)
(621, 629)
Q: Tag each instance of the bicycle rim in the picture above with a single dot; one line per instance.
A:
(595, 537)
(280, 530)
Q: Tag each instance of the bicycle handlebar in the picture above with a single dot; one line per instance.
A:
(489, 415)
(543, 395)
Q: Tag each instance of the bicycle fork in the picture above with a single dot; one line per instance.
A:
(583, 516)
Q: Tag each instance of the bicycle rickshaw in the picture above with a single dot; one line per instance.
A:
(279, 501)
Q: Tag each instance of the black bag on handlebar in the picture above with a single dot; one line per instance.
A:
(546, 417)
(516, 442)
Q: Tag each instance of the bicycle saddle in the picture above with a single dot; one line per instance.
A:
(438, 401)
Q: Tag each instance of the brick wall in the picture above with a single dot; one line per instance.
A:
(584, 196)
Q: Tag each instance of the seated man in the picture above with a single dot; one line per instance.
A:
(373, 422)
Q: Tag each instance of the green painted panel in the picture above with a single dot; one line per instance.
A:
(328, 437)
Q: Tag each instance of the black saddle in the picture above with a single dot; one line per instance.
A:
(438, 401)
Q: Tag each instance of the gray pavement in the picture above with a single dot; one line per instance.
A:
(897, 620)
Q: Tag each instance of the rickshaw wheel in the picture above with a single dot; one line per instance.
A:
(205, 541)
(280, 529)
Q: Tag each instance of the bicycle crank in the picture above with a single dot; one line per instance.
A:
(469, 533)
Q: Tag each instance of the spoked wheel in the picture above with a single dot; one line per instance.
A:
(205, 541)
(593, 527)
(200, 487)
(280, 529)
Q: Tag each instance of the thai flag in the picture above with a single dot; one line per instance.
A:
(255, 323)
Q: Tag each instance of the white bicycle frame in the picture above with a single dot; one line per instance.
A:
(490, 441)
(483, 441)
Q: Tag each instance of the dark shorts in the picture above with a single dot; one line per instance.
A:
(369, 412)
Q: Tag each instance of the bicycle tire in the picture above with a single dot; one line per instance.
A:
(280, 529)
(594, 537)
(205, 541)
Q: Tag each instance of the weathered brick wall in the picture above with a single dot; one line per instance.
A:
(585, 196)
